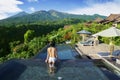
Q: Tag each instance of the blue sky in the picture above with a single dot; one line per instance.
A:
(89, 7)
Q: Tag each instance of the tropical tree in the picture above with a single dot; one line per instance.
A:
(28, 36)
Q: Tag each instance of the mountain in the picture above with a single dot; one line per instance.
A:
(43, 15)
(20, 14)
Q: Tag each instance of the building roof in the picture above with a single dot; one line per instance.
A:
(98, 19)
(113, 17)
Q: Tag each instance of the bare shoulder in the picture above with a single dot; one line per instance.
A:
(54, 48)
(51, 48)
(48, 49)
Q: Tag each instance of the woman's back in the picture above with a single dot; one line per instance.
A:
(52, 52)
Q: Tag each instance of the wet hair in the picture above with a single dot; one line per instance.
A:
(52, 44)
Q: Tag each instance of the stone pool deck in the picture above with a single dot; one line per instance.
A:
(92, 51)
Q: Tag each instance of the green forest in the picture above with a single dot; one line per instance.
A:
(23, 41)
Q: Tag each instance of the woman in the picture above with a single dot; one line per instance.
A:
(51, 56)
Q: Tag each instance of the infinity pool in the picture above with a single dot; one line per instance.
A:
(65, 52)
(69, 68)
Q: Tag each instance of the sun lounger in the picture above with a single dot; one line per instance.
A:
(87, 43)
(115, 54)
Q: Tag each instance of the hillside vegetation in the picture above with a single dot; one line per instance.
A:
(24, 40)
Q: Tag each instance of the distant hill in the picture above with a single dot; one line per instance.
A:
(20, 14)
(43, 15)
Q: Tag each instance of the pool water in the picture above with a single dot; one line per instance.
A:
(65, 52)
(69, 68)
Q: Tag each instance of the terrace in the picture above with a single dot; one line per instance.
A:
(101, 52)
(72, 66)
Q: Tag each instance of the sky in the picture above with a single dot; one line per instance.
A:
(88, 7)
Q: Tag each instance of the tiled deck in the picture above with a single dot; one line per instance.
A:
(93, 50)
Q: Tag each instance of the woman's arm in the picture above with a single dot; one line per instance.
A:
(56, 53)
(47, 57)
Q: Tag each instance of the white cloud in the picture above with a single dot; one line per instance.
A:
(9, 7)
(2, 16)
(102, 9)
(32, 9)
(32, 0)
